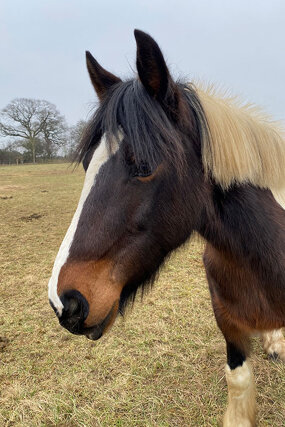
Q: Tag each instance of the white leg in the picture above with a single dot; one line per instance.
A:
(274, 343)
(241, 397)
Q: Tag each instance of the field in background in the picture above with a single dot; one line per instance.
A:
(162, 365)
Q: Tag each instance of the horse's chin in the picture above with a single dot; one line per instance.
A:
(95, 332)
(94, 336)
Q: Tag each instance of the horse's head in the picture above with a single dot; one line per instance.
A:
(141, 197)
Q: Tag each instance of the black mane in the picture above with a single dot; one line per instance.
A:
(153, 130)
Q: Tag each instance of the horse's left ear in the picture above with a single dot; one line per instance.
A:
(101, 79)
(151, 66)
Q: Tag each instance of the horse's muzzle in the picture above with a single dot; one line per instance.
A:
(75, 312)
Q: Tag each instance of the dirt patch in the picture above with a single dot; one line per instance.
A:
(11, 187)
(3, 343)
(31, 217)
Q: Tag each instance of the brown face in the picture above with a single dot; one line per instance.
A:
(110, 246)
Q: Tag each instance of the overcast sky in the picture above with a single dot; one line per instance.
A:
(237, 44)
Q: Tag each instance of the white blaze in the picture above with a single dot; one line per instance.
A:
(99, 157)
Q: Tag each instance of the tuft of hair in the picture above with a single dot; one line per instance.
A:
(243, 144)
(131, 290)
(128, 110)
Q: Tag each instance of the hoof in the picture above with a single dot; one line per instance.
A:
(274, 344)
(273, 356)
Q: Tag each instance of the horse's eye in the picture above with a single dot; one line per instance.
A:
(139, 169)
(142, 170)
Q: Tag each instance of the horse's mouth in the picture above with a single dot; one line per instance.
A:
(95, 332)
(77, 326)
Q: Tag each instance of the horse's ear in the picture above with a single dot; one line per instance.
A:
(151, 66)
(101, 79)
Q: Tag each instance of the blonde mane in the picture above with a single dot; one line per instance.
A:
(243, 144)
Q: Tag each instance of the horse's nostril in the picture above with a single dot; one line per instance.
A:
(73, 306)
(75, 310)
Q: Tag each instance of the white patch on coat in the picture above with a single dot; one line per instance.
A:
(274, 343)
(241, 397)
(100, 156)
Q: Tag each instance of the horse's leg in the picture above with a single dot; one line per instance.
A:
(241, 387)
(274, 344)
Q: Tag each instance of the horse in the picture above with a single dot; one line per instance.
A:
(165, 159)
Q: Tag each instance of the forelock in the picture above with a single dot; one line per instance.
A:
(145, 123)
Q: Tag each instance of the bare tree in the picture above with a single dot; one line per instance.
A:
(32, 122)
(75, 135)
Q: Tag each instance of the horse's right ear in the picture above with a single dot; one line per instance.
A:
(100, 78)
(151, 66)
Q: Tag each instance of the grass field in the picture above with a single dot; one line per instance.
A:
(162, 365)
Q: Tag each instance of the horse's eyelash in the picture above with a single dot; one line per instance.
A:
(140, 170)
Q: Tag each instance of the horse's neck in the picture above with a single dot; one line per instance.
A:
(248, 224)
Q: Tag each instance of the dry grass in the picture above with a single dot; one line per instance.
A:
(160, 366)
